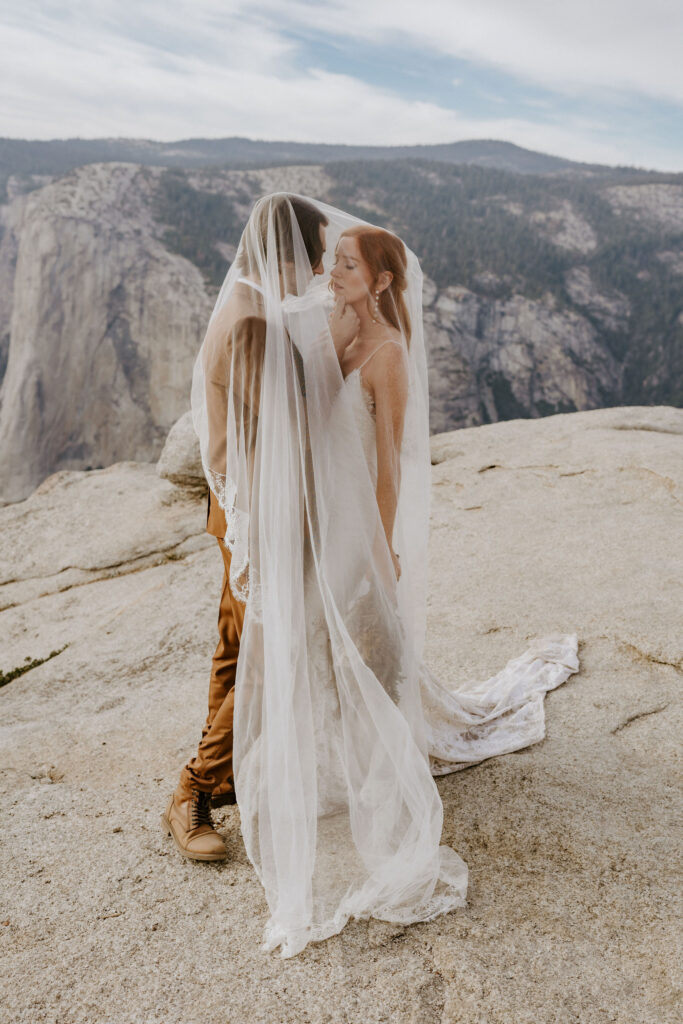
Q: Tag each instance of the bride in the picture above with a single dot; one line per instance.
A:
(323, 470)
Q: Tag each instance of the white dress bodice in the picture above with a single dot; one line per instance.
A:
(364, 410)
(364, 407)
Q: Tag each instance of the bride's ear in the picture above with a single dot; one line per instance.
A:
(384, 280)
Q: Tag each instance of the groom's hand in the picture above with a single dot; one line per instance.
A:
(343, 325)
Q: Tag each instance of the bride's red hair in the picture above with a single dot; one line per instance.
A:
(383, 250)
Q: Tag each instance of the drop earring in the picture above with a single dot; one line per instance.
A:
(376, 316)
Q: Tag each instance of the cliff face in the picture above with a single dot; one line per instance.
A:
(100, 324)
(104, 300)
(493, 360)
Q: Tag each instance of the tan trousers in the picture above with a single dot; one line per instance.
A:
(211, 769)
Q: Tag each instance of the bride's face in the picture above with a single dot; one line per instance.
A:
(350, 275)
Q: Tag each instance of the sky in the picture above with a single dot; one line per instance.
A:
(593, 80)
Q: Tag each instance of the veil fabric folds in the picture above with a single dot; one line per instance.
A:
(339, 810)
(340, 813)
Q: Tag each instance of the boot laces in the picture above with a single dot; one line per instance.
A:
(201, 809)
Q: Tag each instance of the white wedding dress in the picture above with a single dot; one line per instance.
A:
(339, 728)
(477, 720)
(463, 725)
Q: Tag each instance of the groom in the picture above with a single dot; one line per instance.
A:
(207, 779)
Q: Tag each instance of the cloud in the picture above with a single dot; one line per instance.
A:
(613, 45)
(224, 67)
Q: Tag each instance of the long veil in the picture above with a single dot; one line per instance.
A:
(339, 728)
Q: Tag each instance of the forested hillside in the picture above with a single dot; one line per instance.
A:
(543, 293)
(498, 233)
(585, 241)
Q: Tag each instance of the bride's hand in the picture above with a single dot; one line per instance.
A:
(343, 324)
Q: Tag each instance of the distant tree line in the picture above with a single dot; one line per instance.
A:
(196, 222)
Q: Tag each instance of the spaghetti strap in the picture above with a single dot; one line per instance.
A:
(389, 341)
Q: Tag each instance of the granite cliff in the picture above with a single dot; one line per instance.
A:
(101, 324)
(108, 276)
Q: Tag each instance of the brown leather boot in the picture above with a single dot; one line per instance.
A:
(188, 820)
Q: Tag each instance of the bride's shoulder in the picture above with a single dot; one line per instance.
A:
(390, 354)
(387, 376)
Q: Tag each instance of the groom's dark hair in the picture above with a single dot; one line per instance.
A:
(308, 217)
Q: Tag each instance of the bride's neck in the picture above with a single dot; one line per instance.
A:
(368, 327)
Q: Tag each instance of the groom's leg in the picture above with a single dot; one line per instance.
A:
(224, 662)
(211, 769)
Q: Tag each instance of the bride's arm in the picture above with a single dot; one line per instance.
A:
(389, 382)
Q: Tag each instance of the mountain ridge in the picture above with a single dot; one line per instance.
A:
(57, 156)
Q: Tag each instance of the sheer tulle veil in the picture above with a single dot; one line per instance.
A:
(338, 727)
(340, 813)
